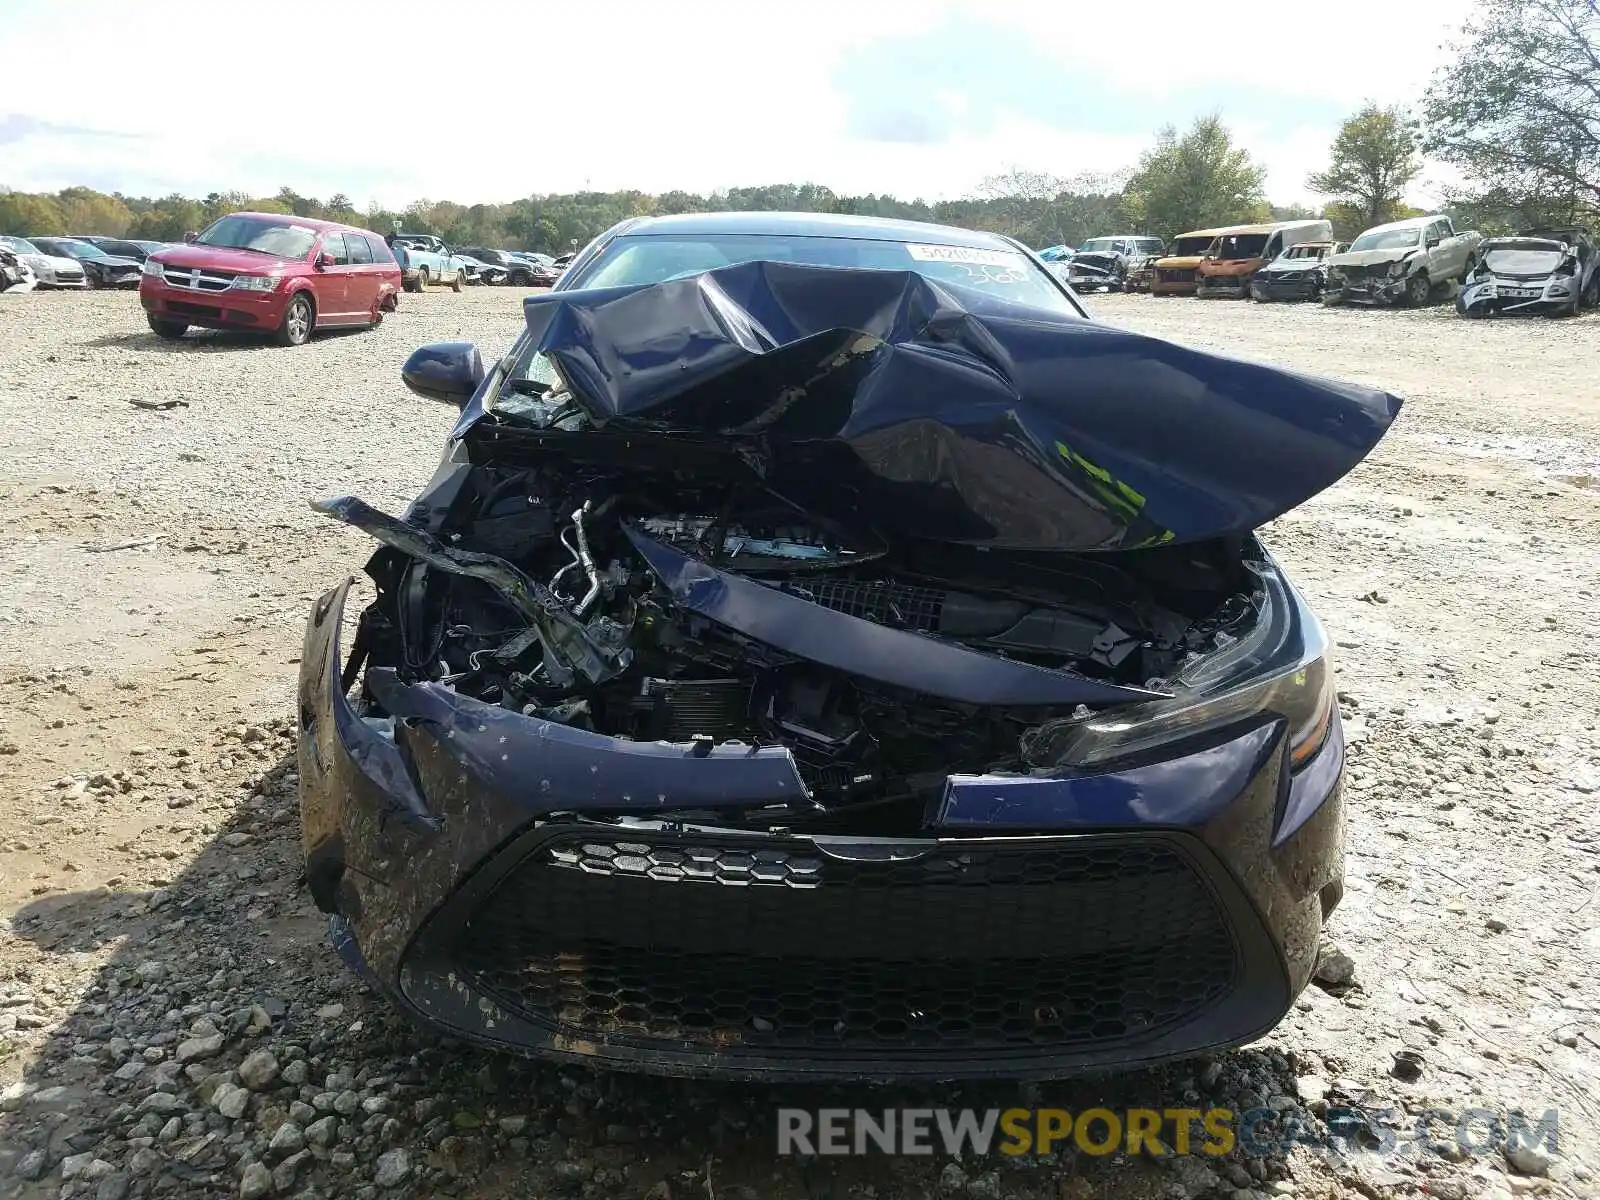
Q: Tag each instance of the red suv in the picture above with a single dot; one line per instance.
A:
(277, 274)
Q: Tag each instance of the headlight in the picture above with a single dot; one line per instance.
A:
(1280, 668)
(152, 268)
(1398, 269)
(255, 283)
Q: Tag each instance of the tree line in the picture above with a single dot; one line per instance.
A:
(1517, 114)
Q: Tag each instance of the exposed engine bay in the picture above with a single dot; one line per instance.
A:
(541, 591)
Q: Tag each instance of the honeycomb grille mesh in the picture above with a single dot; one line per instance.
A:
(758, 947)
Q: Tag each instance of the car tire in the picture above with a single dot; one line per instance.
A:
(1419, 289)
(1332, 297)
(167, 331)
(521, 279)
(422, 279)
(299, 318)
(455, 284)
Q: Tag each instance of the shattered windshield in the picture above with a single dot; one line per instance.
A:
(264, 237)
(1525, 258)
(1387, 239)
(1241, 245)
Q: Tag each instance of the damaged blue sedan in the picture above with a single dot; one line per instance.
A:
(825, 652)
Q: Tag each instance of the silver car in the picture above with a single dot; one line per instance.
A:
(51, 271)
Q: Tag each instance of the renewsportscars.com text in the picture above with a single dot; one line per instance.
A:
(1157, 1132)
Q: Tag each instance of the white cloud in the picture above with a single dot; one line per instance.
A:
(485, 101)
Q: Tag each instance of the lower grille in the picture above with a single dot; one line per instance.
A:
(733, 943)
(186, 309)
(1166, 275)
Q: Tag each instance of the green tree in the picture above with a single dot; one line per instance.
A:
(168, 219)
(84, 210)
(1518, 111)
(1373, 157)
(30, 215)
(1194, 181)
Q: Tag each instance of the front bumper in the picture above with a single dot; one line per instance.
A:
(1302, 285)
(1496, 296)
(227, 309)
(1174, 281)
(1370, 289)
(128, 278)
(1039, 927)
(1222, 287)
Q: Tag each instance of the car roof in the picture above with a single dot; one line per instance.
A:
(803, 224)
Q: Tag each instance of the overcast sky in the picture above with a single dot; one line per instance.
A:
(489, 100)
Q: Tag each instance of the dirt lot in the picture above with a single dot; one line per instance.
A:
(172, 1023)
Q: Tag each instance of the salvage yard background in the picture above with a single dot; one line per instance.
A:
(157, 568)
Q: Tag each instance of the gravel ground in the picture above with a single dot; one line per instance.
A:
(172, 1023)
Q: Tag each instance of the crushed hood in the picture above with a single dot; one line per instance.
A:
(893, 406)
(1293, 266)
(1371, 258)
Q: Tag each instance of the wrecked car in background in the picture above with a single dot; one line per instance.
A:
(49, 270)
(1175, 271)
(428, 260)
(1552, 271)
(1232, 260)
(1299, 273)
(824, 652)
(102, 270)
(15, 273)
(1104, 262)
(1402, 262)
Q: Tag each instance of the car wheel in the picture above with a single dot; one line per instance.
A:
(521, 279)
(169, 331)
(422, 279)
(298, 320)
(1333, 297)
(455, 284)
(1418, 289)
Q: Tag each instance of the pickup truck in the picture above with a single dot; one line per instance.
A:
(1403, 262)
(427, 260)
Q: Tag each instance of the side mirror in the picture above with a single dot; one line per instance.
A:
(1432, 242)
(323, 261)
(446, 371)
(190, 236)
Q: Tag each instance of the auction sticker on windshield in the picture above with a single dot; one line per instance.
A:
(924, 252)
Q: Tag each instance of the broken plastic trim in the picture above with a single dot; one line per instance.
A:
(914, 661)
(568, 643)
